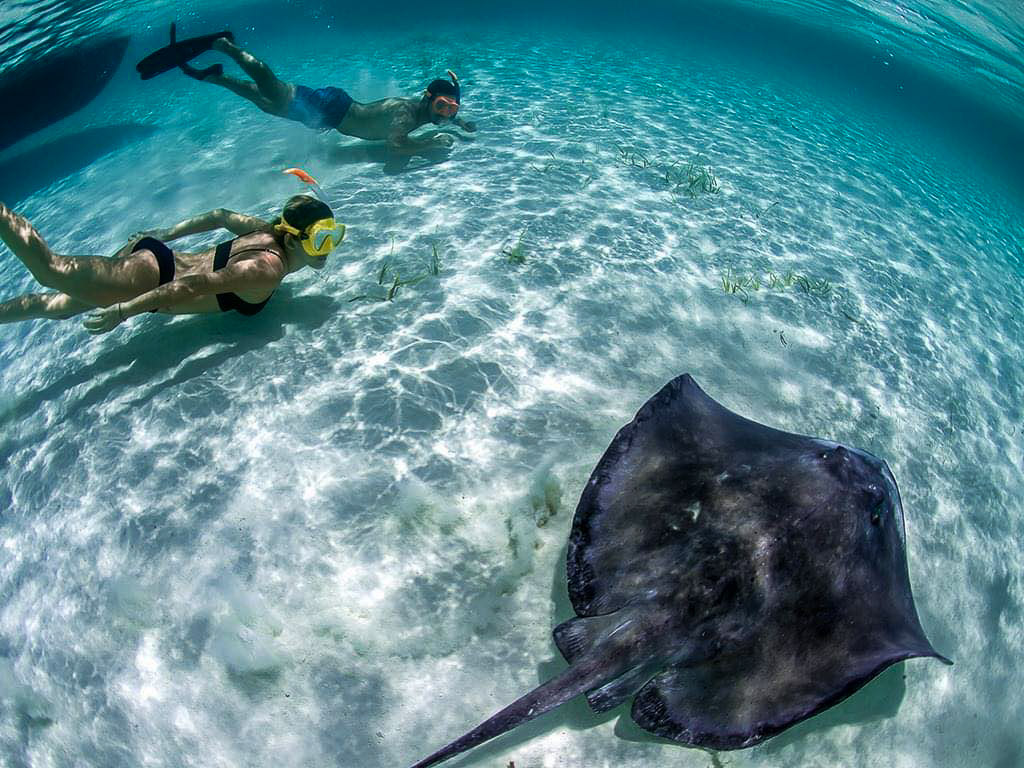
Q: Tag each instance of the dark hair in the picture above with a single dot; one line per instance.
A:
(302, 210)
(445, 88)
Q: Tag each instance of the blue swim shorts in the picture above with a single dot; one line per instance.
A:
(321, 109)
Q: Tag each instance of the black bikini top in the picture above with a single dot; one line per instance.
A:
(229, 301)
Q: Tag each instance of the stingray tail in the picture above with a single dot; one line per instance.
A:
(579, 678)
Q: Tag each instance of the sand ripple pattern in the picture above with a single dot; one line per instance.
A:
(333, 533)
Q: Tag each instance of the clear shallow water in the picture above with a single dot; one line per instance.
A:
(311, 537)
(979, 42)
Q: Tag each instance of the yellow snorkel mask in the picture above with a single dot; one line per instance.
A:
(320, 238)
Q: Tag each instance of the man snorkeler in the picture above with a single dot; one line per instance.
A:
(391, 119)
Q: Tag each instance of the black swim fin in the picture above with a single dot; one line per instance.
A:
(177, 53)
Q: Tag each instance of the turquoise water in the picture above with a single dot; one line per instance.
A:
(333, 534)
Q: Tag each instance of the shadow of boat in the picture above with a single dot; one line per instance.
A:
(37, 168)
(41, 92)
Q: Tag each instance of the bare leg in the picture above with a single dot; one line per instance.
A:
(92, 279)
(266, 91)
(32, 306)
(246, 91)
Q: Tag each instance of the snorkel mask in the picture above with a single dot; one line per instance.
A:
(445, 96)
(322, 236)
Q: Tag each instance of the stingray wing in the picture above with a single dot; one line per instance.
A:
(646, 495)
(737, 702)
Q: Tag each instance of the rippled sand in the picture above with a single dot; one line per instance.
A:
(334, 533)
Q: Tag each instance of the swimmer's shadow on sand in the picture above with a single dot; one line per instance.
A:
(880, 699)
(376, 153)
(162, 346)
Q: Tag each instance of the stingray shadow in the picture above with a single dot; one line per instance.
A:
(161, 347)
(35, 169)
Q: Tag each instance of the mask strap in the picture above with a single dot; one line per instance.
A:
(284, 226)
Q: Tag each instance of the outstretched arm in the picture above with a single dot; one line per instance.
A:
(400, 143)
(404, 144)
(257, 274)
(466, 125)
(220, 218)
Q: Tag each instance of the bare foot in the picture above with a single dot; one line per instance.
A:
(215, 70)
(224, 44)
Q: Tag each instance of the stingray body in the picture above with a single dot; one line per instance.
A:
(730, 578)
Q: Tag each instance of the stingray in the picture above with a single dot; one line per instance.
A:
(732, 579)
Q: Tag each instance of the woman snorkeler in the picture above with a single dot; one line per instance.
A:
(147, 276)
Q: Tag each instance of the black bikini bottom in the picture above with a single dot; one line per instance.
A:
(164, 256)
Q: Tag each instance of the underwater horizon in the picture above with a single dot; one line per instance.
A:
(335, 533)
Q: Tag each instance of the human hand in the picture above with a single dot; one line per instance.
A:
(136, 236)
(469, 125)
(104, 319)
(444, 140)
(131, 243)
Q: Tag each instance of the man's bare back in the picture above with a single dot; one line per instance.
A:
(391, 120)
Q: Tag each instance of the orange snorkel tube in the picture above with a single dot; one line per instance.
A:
(301, 175)
(323, 236)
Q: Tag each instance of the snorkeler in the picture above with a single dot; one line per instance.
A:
(146, 276)
(391, 119)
